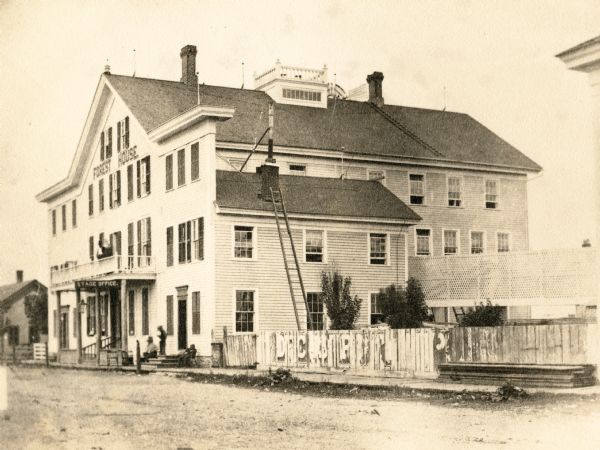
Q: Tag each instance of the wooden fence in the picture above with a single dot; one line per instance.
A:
(528, 344)
(239, 350)
(39, 352)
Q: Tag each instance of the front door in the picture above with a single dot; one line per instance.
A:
(64, 328)
(182, 324)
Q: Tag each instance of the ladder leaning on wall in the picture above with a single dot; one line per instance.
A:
(279, 208)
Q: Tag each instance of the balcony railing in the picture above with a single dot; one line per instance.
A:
(115, 264)
(556, 276)
(291, 73)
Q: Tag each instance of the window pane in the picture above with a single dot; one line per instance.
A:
(243, 242)
(314, 246)
(376, 312)
(316, 311)
(378, 251)
(244, 311)
(454, 191)
(423, 247)
(476, 242)
(503, 242)
(450, 242)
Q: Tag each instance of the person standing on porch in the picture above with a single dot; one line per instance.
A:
(162, 336)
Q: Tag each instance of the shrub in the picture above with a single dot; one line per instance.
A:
(342, 308)
(403, 308)
(483, 315)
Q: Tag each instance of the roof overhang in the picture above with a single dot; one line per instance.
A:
(584, 57)
(188, 118)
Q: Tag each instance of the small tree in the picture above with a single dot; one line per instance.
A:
(483, 315)
(403, 308)
(342, 308)
(36, 310)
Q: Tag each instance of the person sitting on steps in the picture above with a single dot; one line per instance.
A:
(187, 357)
(151, 350)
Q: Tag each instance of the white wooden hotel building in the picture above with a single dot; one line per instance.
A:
(155, 224)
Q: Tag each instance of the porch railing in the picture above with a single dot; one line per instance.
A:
(89, 351)
(116, 264)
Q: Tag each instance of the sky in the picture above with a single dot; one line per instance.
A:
(491, 59)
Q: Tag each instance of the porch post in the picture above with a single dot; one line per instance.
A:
(98, 330)
(58, 326)
(78, 324)
(124, 316)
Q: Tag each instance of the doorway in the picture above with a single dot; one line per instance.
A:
(115, 318)
(182, 324)
(64, 327)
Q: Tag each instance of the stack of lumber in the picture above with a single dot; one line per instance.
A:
(556, 375)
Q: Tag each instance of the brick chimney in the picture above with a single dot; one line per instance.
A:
(269, 178)
(375, 81)
(19, 276)
(188, 65)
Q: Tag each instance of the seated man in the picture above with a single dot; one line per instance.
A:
(187, 357)
(151, 349)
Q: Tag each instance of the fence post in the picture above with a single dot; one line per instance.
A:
(14, 354)
(138, 360)
(46, 356)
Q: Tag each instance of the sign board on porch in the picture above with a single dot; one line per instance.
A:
(86, 284)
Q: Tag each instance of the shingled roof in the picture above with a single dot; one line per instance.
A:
(10, 292)
(358, 127)
(314, 196)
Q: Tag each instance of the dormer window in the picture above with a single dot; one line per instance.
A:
(302, 94)
(297, 169)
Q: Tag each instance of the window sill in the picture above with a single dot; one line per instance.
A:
(196, 180)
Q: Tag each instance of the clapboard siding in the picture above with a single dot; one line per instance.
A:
(346, 250)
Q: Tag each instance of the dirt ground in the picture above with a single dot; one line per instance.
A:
(53, 408)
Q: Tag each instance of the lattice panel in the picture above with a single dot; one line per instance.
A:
(551, 274)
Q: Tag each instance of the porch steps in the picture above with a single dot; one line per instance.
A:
(559, 375)
(161, 361)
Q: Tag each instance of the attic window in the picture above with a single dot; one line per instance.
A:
(301, 94)
(297, 169)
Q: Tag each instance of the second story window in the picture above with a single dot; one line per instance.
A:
(450, 242)
(423, 242)
(169, 172)
(185, 242)
(314, 246)
(101, 195)
(91, 200)
(74, 213)
(144, 242)
(503, 242)
(123, 134)
(491, 194)
(454, 191)
(243, 242)
(417, 189)
(143, 177)
(114, 188)
(477, 242)
(64, 217)
(181, 167)
(198, 238)
(378, 248)
(195, 161)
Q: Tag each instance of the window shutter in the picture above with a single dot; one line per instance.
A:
(188, 241)
(91, 245)
(102, 146)
(108, 152)
(181, 234)
(201, 238)
(118, 199)
(147, 159)
(170, 315)
(195, 312)
(169, 172)
(130, 182)
(118, 136)
(55, 323)
(139, 181)
(110, 191)
(169, 246)
(139, 241)
(149, 236)
(126, 143)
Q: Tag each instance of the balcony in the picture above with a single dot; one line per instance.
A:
(521, 278)
(281, 72)
(125, 266)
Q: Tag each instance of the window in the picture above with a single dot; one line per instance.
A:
(74, 213)
(130, 245)
(423, 242)
(63, 209)
(297, 169)
(53, 222)
(91, 200)
(477, 244)
(195, 312)
(301, 94)
(377, 248)
(450, 242)
(130, 182)
(114, 187)
(91, 316)
(123, 134)
(503, 242)
(195, 162)
(316, 311)
(143, 177)
(244, 311)
(169, 172)
(181, 167)
(454, 192)
(101, 195)
(417, 189)
(376, 311)
(185, 242)
(144, 242)
(102, 145)
(242, 247)
(131, 312)
(170, 327)
(314, 246)
(91, 247)
(169, 246)
(108, 151)
(198, 238)
(376, 175)
(491, 194)
(145, 319)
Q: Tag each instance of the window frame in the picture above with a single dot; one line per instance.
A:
(460, 191)
(509, 241)
(254, 256)
(485, 194)
(387, 248)
(457, 231)
(305, 231)
(430, 242)
(371, 293)
(255, 317)
(483, 242)
(322, 313)
(185, 256)
(300, 173)
(421, 174)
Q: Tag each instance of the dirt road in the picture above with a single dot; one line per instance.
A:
(50, 408)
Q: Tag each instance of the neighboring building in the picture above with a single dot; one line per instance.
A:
(16, 326)
(153, 226)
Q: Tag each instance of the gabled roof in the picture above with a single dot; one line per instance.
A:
(358, 199)
(357, 127)
(11, 292)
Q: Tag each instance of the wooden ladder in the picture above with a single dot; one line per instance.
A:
(277, 200)
(458, 315)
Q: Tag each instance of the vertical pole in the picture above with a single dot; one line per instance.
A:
(138, 359)
(78, 324)
(47, 359)
(58, 326)
(124, 316)
(270, 158)
(98, 331)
